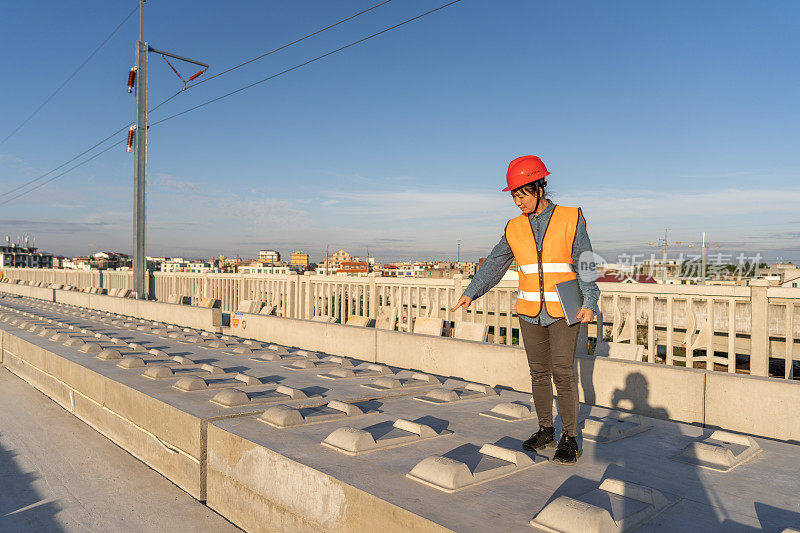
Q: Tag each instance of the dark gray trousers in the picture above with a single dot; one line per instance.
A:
(551, 356)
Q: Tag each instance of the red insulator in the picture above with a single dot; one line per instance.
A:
(130, 138)
(195, 75)
(131, 78)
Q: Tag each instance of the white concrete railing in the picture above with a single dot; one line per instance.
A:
(685, 325)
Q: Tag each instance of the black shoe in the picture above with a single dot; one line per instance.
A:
(541, 439)
(567, 451)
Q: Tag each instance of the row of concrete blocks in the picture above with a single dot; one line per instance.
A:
(122, 293)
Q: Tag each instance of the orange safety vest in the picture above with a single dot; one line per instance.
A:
(550, 259)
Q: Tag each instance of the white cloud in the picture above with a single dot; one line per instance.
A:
(169, 182)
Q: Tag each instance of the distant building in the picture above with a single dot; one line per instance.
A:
(299, 259)
(784, 271)
(353, 268)
(179, 264)
(468, 268)
(791, 283)
(256, 267)
(268, 256)
(109, 260)
(14, 256)
(626, 278)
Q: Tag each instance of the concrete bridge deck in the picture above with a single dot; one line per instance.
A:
(241, 425)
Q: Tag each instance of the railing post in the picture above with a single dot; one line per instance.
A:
(759, 328)
(373, 296)
(307, 296)
(292, 286)
(458, 290)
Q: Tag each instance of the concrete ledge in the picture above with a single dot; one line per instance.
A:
(30, 291)
(334, 339)
(657, 391)
(185, 315)
(468, 360)
(754, 405)
(165, 438)
(261, 490)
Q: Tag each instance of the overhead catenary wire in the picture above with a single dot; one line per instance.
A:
(168, 99)
(69, 78)
(98, 154)
(65, 163)
(274, 50)
(203, 104)
(300, 65)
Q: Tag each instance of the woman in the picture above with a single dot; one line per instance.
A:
(546, 240)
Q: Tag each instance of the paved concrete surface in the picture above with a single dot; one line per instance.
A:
(58, 474)
(265, 478)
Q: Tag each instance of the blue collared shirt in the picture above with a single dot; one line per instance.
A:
(495, 266)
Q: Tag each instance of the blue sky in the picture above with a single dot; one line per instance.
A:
(679, 115)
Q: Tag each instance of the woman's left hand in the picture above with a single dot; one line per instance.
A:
(585, 315)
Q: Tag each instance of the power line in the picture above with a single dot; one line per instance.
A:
(62, 165)
(300, 65)
(288, 44)
(177, 93)
(69, 78)
(65, 172)
(281, 73)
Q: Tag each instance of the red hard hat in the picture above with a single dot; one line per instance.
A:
(524, 170)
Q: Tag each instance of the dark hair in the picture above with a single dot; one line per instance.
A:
(533, 188)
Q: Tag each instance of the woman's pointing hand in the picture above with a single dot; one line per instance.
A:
(464, 302)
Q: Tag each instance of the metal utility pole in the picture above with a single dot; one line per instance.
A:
(141, 286)
(663, 244)
(459, 250)
(703, 253)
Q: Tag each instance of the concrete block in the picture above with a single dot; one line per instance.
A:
(619, 350)
(355, 320)
(283, 416)
(309, 364)
(613, 427)
(179, 299)
(249, 306)
(720, 451)
(470, 391)
(195, 383)
(209, 303)
(615, 506)
(428, 326)
(109, 354)
(268, 310)
(387, 318)
(489, 463)
(471, 331)
(131, 362)
(368, 369)
(509, 412)
(417, 379)
(328, 319)
(90, 348)
(354, 441)
(236, 397)
(162, 371)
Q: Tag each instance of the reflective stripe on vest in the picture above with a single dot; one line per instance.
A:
(546, 267)
(536, 296)
(556, 259)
